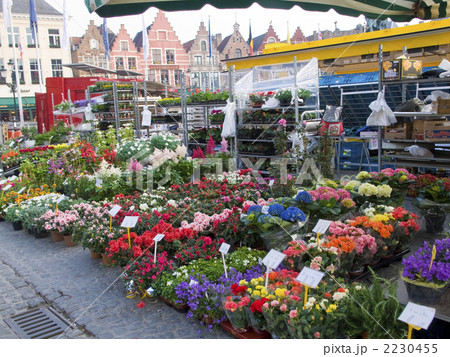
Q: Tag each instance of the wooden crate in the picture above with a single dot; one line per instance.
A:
(443, 106)
(418, 130)
(398, 131)
(436, 130)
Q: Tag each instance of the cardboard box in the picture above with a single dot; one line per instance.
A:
(401, 69)
(441, 106)
(436, 130)
(418, 130)
(398, 131)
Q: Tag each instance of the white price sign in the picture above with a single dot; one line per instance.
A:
(50, 138)
(322, 226)
(129, 222)
(129, 286)
(417, 315)
(2, 182)
(271, 182)
(310, 277)
(273, 259)
(6, 188)
(113, 211)
(60, 199)
(265, 209)
(11, 144)
(158, 237)
(20, 174)
(224, 248)
(147, 119)
(66, 181)
(12, 178)
(99, 183)
(21, 190)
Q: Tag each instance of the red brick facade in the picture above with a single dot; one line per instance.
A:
(124, 54)
(298, 37)
(260, 42)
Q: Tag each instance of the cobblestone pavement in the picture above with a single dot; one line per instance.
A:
(40, 272)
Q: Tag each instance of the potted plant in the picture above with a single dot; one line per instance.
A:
(427, 278)
(257, 99)
(29, 133)
(12, 214)
(284, 96)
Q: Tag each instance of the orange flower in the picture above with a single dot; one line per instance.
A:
(346, 244)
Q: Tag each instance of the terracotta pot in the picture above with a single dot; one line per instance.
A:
(95, 255)
(106, 259)
(56, 236)
(69, 241)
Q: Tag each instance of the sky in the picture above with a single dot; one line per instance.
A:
(186, 23)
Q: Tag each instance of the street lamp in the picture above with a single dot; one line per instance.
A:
(13, 87)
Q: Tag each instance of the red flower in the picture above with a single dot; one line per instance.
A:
(141, 304)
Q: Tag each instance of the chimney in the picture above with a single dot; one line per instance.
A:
(218, 39)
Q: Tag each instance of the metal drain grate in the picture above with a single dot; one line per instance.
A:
(36, 324)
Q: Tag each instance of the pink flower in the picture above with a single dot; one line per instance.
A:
(293, 313)
(265, 305)
(283, 307)
(317, 334)
(282, 122)
(274, 303)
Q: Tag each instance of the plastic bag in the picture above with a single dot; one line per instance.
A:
(381, 115)
(88, 112)
(332, 114)
(229, 124)
(412, 105)
(445, 65)
(271, 103)
(417, 151)
(435, 94)
(146, 117)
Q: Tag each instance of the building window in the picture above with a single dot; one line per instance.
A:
(53, 38)
(132, 63)
(177, 75)
(198, 60)
(238, 53)
(89, 60)
(34, 70)
(152, 75)
(57, 68)
(94, 44)
(156, 56)
(368, 56)
(21, 73)
(271, 40)
(170, 56)
(162, 35)
(415, 50)
(16, 36)
(102, 62)
(165, 76)
(226, 56)
(211, 60)
(2, 75)
(30, 42)
(119, 63)
(329, 61)
(203, 45)
(124, 45)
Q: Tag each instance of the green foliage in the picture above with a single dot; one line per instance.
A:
(173, 173)
(373, 310)
(57, 134)
(29, 132)
(104, 140)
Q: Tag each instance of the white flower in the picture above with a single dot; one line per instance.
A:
(358, 287)
(144, 207)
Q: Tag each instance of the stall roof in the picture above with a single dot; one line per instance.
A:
(404, 10)
(100, 70)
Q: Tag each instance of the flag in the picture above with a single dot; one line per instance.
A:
(209, 38)
(65, 36)
(20, 50)
(319, 34)
(33, 20)
(105, 39)
(288, 41)
(7, 4)
(144, 39)
(250, 38)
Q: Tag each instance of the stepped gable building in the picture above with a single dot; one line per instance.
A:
(90, 49)
(124, 54)
(234, 45)
(260, 41)
(298, 36)
(199, 60)
(167, 57)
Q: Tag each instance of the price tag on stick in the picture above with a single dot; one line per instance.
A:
(271, 182)
(224, 248)
(129, 222)
(272, 260)
(21, 190)
(322, 226)
(265, 209)
(310, 279)
(99, 183)
(113, 211)
(417, 317)
(7, 187)
(157, 239)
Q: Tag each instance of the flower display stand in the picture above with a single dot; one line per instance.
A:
(248, 335)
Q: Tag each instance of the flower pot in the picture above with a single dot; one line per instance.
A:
(106, 259)
(69, 241)
(255, 320)
(423, 294)
(177, 307)
(238, 319)
(357, 272)
(56, 236)
(17, 225)
(257, 105)
(95, 255)
(30, 231)
(40, 234)
(434, 221)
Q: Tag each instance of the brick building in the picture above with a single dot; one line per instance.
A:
(259, 42)
(234, 45)
(298, 36)
(336, 33)
(167, 57)
(124, 54)
(199, 60)
(89, 49)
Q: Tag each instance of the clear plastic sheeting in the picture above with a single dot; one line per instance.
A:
(280, 77)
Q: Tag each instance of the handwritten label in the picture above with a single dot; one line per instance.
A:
(6, 188)
(265, 209)
(98, 183)
(417, 315)
(322, 226)
(158, 237)
(310, 277)
(129, 222)
(224, 248)
(273, 259)
(60, 199)
(113, 211)
(21, 190)
(271, 182)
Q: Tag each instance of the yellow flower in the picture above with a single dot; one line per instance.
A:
(317, 307)
(280, 292)
(403, 178)
(380, 218)
(256, 292)
(250, 290)
(243, 282)
(271, 297)
(259, 287)
(331, 308)
(264, 292)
